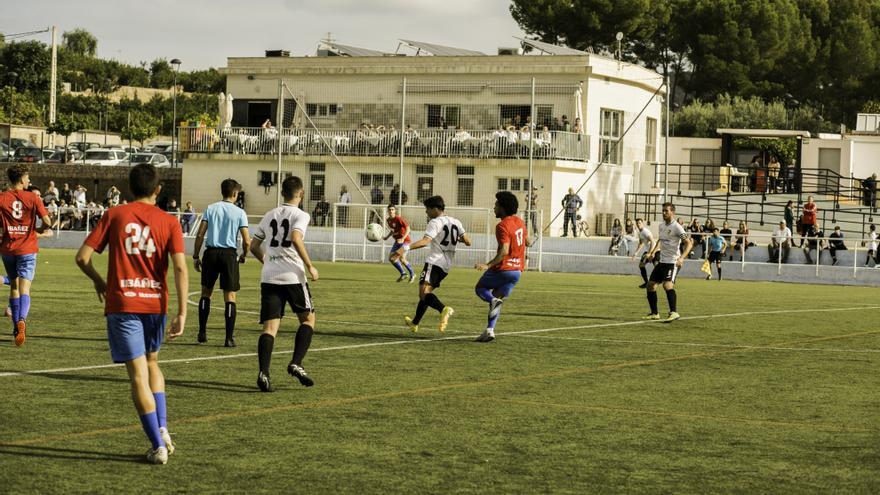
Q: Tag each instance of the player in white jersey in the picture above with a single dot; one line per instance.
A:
(443, 234)
(672, 234)
(646, 238)
(283, 280)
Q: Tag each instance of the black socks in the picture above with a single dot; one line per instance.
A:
(670, 296)
(230, 319)
(432, 301)
(644, 273)
(301, 343)
(204, 310)
(652, 301)
(264, 351)
(420, 312)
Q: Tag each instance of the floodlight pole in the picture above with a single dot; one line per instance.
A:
(53, 82)
(402, 134)
(279, 128)
(666, 143)
(531, 157)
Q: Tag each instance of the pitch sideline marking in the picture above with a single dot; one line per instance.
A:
(420, 391)
(441, 339)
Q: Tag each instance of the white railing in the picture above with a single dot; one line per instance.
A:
(429, 142)
(84, 219)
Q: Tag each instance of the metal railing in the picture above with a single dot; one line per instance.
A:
(427, 142)
(84, 219)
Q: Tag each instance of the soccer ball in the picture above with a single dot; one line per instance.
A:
(374, 232)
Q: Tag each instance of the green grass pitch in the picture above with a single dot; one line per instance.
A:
(760, 388)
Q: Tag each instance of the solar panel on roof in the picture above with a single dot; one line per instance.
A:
(552, 49)
(440, 50)
(354, 51)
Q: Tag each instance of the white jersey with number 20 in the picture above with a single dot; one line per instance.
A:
(444, 232)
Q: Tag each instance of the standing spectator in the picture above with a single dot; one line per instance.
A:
(66, 195)
(344, 198)
(187, 218)
(566, 125)
(773, 168)
(814, 241)
(780, 240)
(716, 247)
(616, 237)
(789, 215)
(394, 198)
(533, 213)
(835, 244)
(322, 208)
(239, 201)
(808, 218)
(869, 190)
(173, 208)
(377, 197)
(727, 234)
(872, 246)
(572, 203)
(112, 197)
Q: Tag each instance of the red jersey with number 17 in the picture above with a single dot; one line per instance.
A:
(141, 237)
(398, 226)
(511, 230)
(20, 210)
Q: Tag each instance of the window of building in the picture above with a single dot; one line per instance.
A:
(465, 185)
(317, 181)
(380, 180)
(651, 140)
(513, 184)
(611, 129)
(424, 182)
(321, 109)
(450, 114)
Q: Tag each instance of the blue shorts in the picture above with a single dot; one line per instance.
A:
(132, 335)
(398, 245)
(501, 282)
(20, 265)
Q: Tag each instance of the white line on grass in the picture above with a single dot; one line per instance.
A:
(459, 337)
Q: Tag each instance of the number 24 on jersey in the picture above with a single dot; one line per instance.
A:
(138, 240)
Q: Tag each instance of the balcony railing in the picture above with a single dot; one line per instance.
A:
(429, 143)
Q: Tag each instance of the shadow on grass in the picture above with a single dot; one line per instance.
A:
(63, 337)
(202, 385)
(70, 454)
(557, 315)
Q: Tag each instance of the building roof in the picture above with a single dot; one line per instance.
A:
(354, 51)
(764, 133)
(550, 48)
(440, 50)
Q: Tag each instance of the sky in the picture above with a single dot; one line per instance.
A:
(203, 33)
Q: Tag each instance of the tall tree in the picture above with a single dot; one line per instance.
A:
(80, 42)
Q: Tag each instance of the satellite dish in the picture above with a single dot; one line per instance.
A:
(619, 36)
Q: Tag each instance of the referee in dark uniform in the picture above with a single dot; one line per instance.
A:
(219, 229)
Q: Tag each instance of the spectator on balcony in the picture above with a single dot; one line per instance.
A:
(442, 123)
(872, 246)
(696, 239)
(741, 240)
(344, 198)
(267, 124)
(814, 241)
(566, 125)
(322, 209)
(546, 137)
(869, 190)
(578, 127)
(572, 203)
(773, 168)
(187, 218)
(835, 244)
(616, 237)
(556, 126)
(727, 234)
(754, 165)
(780, 244)
(808, 217)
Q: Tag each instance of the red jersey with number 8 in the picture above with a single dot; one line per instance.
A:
(141, 237)
(20, 211)
(512, 230)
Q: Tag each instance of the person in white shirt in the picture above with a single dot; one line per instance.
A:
(780, 241)
(442, 234)
(646, 238)
(872, 247)
(344, 197)
(672, 236)
(283, 280)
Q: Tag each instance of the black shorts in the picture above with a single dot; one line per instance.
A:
(273, 299)
(223, 263)
(715, 256)
(432, 275)
(664, 272)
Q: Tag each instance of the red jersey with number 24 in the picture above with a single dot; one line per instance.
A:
(511, 230)
(141, 237)
(20, 211)
(398, 225)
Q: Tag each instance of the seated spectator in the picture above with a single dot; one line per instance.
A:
(727, 234)
(780, 244)
(319, 214)
(835, 244)
(814, 241)
(741, 240)
(173, 208)
(616, 237)
(187, 218)
(695, 231)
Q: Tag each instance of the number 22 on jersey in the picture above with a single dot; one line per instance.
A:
(138, 240)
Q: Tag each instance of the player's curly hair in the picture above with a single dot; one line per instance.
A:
(435, 202)
(508, 202)
(16, 172)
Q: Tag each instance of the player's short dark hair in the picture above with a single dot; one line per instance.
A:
(16, 172)
(508, 202)
(143, 180)
(229, 187)
(435, 202)
(669, 205)
(291, 186)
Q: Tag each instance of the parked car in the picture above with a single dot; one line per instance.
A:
(16, 143)
(4, 152)
(104, 156)
(58, 156)
(134, 149)
(28, 154)
(83, 146)
(47, 152)
(158, 160)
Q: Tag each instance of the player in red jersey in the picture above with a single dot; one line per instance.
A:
(400, 231)
(20, 209)
(141, 238)
(503, 271)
